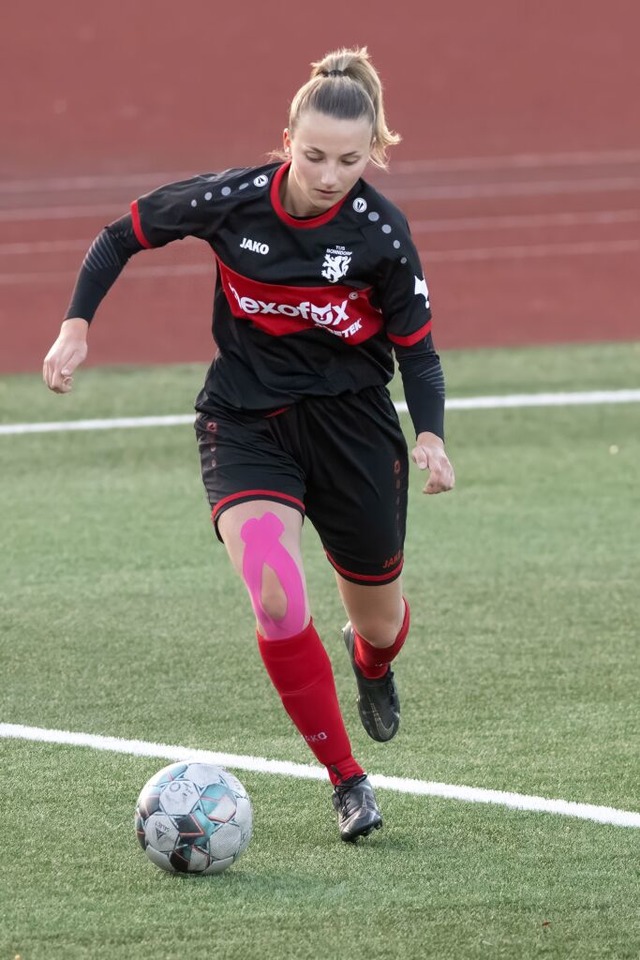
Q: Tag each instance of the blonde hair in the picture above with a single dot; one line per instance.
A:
(346, 85)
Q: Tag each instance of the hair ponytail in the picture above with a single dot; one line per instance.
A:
(346, 85)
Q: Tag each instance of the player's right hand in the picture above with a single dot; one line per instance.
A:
(67, 353)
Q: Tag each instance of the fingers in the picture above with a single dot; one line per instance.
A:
(420, 458)
(68, 351)
(60, 364)
(56, 380)
(435, 460)
(57, 373)
(441, 481)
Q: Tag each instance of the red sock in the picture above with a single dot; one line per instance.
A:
(300, 670)
(374, 661)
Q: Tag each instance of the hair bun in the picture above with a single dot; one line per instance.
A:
(347, 101)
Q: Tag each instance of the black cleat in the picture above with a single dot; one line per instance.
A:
(355, 804)
(378, 701)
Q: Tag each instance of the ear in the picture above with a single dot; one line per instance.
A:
(286, 140)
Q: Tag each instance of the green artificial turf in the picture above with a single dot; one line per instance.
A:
(121, 616)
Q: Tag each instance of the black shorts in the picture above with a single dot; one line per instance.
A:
(342, 461)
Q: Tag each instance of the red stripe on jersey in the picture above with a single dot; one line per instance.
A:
(412, 338)
(309, 222)
(363, 578)
(278, 309)
(137, 226)
(245, 495)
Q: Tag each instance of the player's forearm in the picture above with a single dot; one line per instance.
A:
(424, 389)
(101, 267)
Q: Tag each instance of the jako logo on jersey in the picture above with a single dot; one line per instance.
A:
(336, 263)
(359, 205)
(254, 245)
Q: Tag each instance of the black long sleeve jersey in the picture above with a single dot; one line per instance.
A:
(302, 307)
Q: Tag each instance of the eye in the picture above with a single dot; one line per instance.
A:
(349, 163)
(313, 159)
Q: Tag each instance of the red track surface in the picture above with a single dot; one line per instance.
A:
(519, 170)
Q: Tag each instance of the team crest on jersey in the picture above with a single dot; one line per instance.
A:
(336, 263)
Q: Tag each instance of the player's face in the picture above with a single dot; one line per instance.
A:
(327, 158)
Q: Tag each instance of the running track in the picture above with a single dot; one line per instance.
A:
(519, 171)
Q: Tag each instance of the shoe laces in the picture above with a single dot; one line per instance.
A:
(346, 785)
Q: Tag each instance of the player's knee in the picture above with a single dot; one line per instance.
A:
(376, 635)
(273, 576)
(379, 630)
(273, 599)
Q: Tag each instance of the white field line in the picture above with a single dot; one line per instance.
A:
(518, 400)
(141, 748)
(585, 248)
(518, 161)
(116, 423)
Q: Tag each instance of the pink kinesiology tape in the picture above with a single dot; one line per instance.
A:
(263, 549)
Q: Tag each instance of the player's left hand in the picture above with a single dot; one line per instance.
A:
(429, 455)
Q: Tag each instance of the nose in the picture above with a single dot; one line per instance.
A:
(329, 175)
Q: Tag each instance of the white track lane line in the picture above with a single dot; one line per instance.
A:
(520, 161)
(444, 225)
(41, 214)
(523, 188)
(460, 191)
(517, 161)
(529, 251)
(523, 221)
(141, 748)
(522, 252)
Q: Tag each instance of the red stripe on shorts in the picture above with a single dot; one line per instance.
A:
(364, 578)
(245, 495)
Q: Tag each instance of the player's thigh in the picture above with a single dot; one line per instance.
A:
(264, 524)
(256, 491)
(246, 461)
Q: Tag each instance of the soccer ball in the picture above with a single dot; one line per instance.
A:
(193, 818)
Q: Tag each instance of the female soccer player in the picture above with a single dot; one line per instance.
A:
(318, 285)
